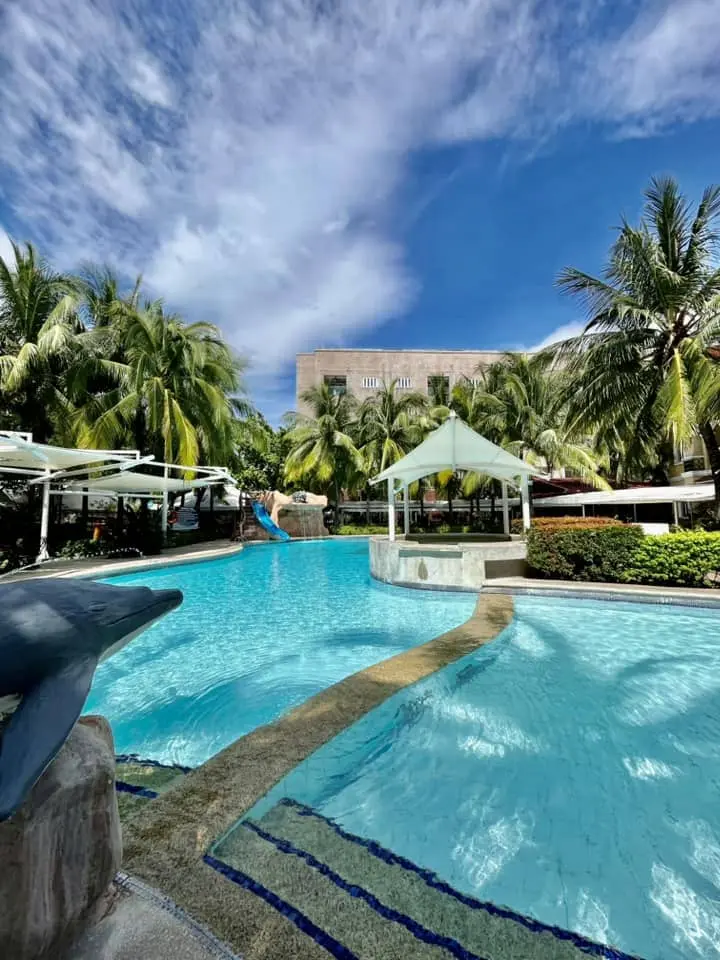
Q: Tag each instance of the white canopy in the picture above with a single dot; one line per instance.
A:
(113, 473)
(689, 493)
(139, 484)
(454, 446)
(19, 455)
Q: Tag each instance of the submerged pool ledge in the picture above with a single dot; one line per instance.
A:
(166, 841)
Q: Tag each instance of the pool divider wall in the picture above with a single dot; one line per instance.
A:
(463, 565)
(165, 842)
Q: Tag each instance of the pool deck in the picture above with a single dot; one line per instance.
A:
(629, 592)
(165, 843)
(90, 568)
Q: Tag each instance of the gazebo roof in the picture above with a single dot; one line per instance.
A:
(455, 446)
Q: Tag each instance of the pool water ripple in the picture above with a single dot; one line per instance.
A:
(569, 770)
(257, 634)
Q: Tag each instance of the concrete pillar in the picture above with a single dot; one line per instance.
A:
(525, 492)
(406, 510)
(44, 522)
(505, 508)
(391, 509)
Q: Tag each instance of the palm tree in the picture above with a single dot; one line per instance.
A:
(524, 409)
(391, 423)
(646, 363)
(174, 389)
(39, 341)
(322, 447)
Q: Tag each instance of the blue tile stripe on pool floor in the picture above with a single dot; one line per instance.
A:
(432, 880)
(387, 913)
(134, 758)
(136, 791)
(303, 923)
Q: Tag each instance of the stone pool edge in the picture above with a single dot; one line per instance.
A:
(166, 841)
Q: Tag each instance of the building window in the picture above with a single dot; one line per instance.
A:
(370, 383)
(338, 385)
(404, 383)
(439, 389)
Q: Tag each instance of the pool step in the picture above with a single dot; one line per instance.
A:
(139, 781)
(378, 905)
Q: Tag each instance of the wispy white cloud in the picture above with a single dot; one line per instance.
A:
(564, 332)
(246, 157)
(664, 68)
(6, 250)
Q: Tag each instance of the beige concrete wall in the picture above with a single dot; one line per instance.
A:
(462, 566)
(387, 365)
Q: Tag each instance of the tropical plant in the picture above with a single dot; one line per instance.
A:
(390, 423)
(322, 448)
(257, 463)
(173, 392)
(645, 368)
(39, 342)
(521, 404)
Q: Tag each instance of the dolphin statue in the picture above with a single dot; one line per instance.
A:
(53, 634)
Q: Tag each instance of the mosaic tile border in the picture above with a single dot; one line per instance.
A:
(432, 880)
(296, 917)
(208, 939)
(354, 890)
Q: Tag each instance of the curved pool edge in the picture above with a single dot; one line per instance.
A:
(166, 841)
(619, 592)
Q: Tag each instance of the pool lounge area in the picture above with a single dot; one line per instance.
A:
(443, 800)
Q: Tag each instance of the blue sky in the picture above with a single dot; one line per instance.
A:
(400, 173)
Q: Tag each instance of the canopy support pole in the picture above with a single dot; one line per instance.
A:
(505, 509)
(164, 520)
(406, 510)
(676, 516)
(44, 520)
(391, 509)
(525, 491)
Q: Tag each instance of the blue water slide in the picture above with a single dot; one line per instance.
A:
(264, 519)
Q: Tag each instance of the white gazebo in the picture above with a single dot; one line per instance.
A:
(110, 473)
(455, 446)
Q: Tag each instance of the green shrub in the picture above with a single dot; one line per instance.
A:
(681, 559)
(80, 549)
(358, 530)
(586, 551)
(575, 523)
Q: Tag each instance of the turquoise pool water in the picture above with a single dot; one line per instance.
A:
(569, 770)
(257, 634)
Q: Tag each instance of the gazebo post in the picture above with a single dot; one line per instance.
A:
(525, 491)
(505, 508)
(44, 521)
(406, 508)
(164, 514)
(391, 509)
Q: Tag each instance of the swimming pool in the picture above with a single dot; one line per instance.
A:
(257, 634)
(568, 770)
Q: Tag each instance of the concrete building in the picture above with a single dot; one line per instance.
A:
(362, 372)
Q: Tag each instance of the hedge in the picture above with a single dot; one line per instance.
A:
(576, 548)
(681, 559)
(582, 551)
